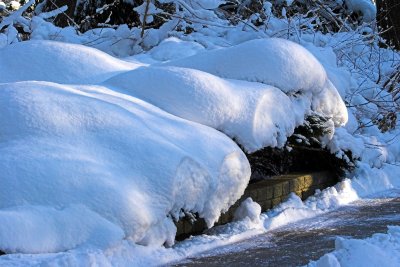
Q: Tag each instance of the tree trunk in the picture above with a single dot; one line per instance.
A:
(388, 18)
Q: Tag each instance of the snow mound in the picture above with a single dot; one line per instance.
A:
(174, 48)
(378, 250)
(87, 160)
(254, 114)
(57, 62)
(248, 209)
(36, 229)
(277, 62)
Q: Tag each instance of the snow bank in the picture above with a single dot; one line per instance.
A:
(247, 109)
(130, 254)
(378, 250)
(36, 229)
(277, 62)
(367, 181)
(84, 159)
(57, 62)
(273, 61)
(254, 114)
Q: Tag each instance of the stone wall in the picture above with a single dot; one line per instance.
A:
(268, 193)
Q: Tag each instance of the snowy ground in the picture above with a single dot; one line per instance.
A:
(285, 216)
(380, 249)
(98, 154)
(297, 243)
(85, 144)
(55, 131)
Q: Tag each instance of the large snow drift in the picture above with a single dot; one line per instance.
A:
(57, 62)
(277, 62)
(254, 114)
(248, 108)
(88, 166)
(76, 160)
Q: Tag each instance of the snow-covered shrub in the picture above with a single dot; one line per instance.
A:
(326, 16)
(16, 20)
(109, 14)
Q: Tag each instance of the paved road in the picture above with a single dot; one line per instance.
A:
(297, 244)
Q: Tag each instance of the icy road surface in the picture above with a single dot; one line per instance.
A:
(300, 242)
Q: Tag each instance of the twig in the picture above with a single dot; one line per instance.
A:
(146, 11)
